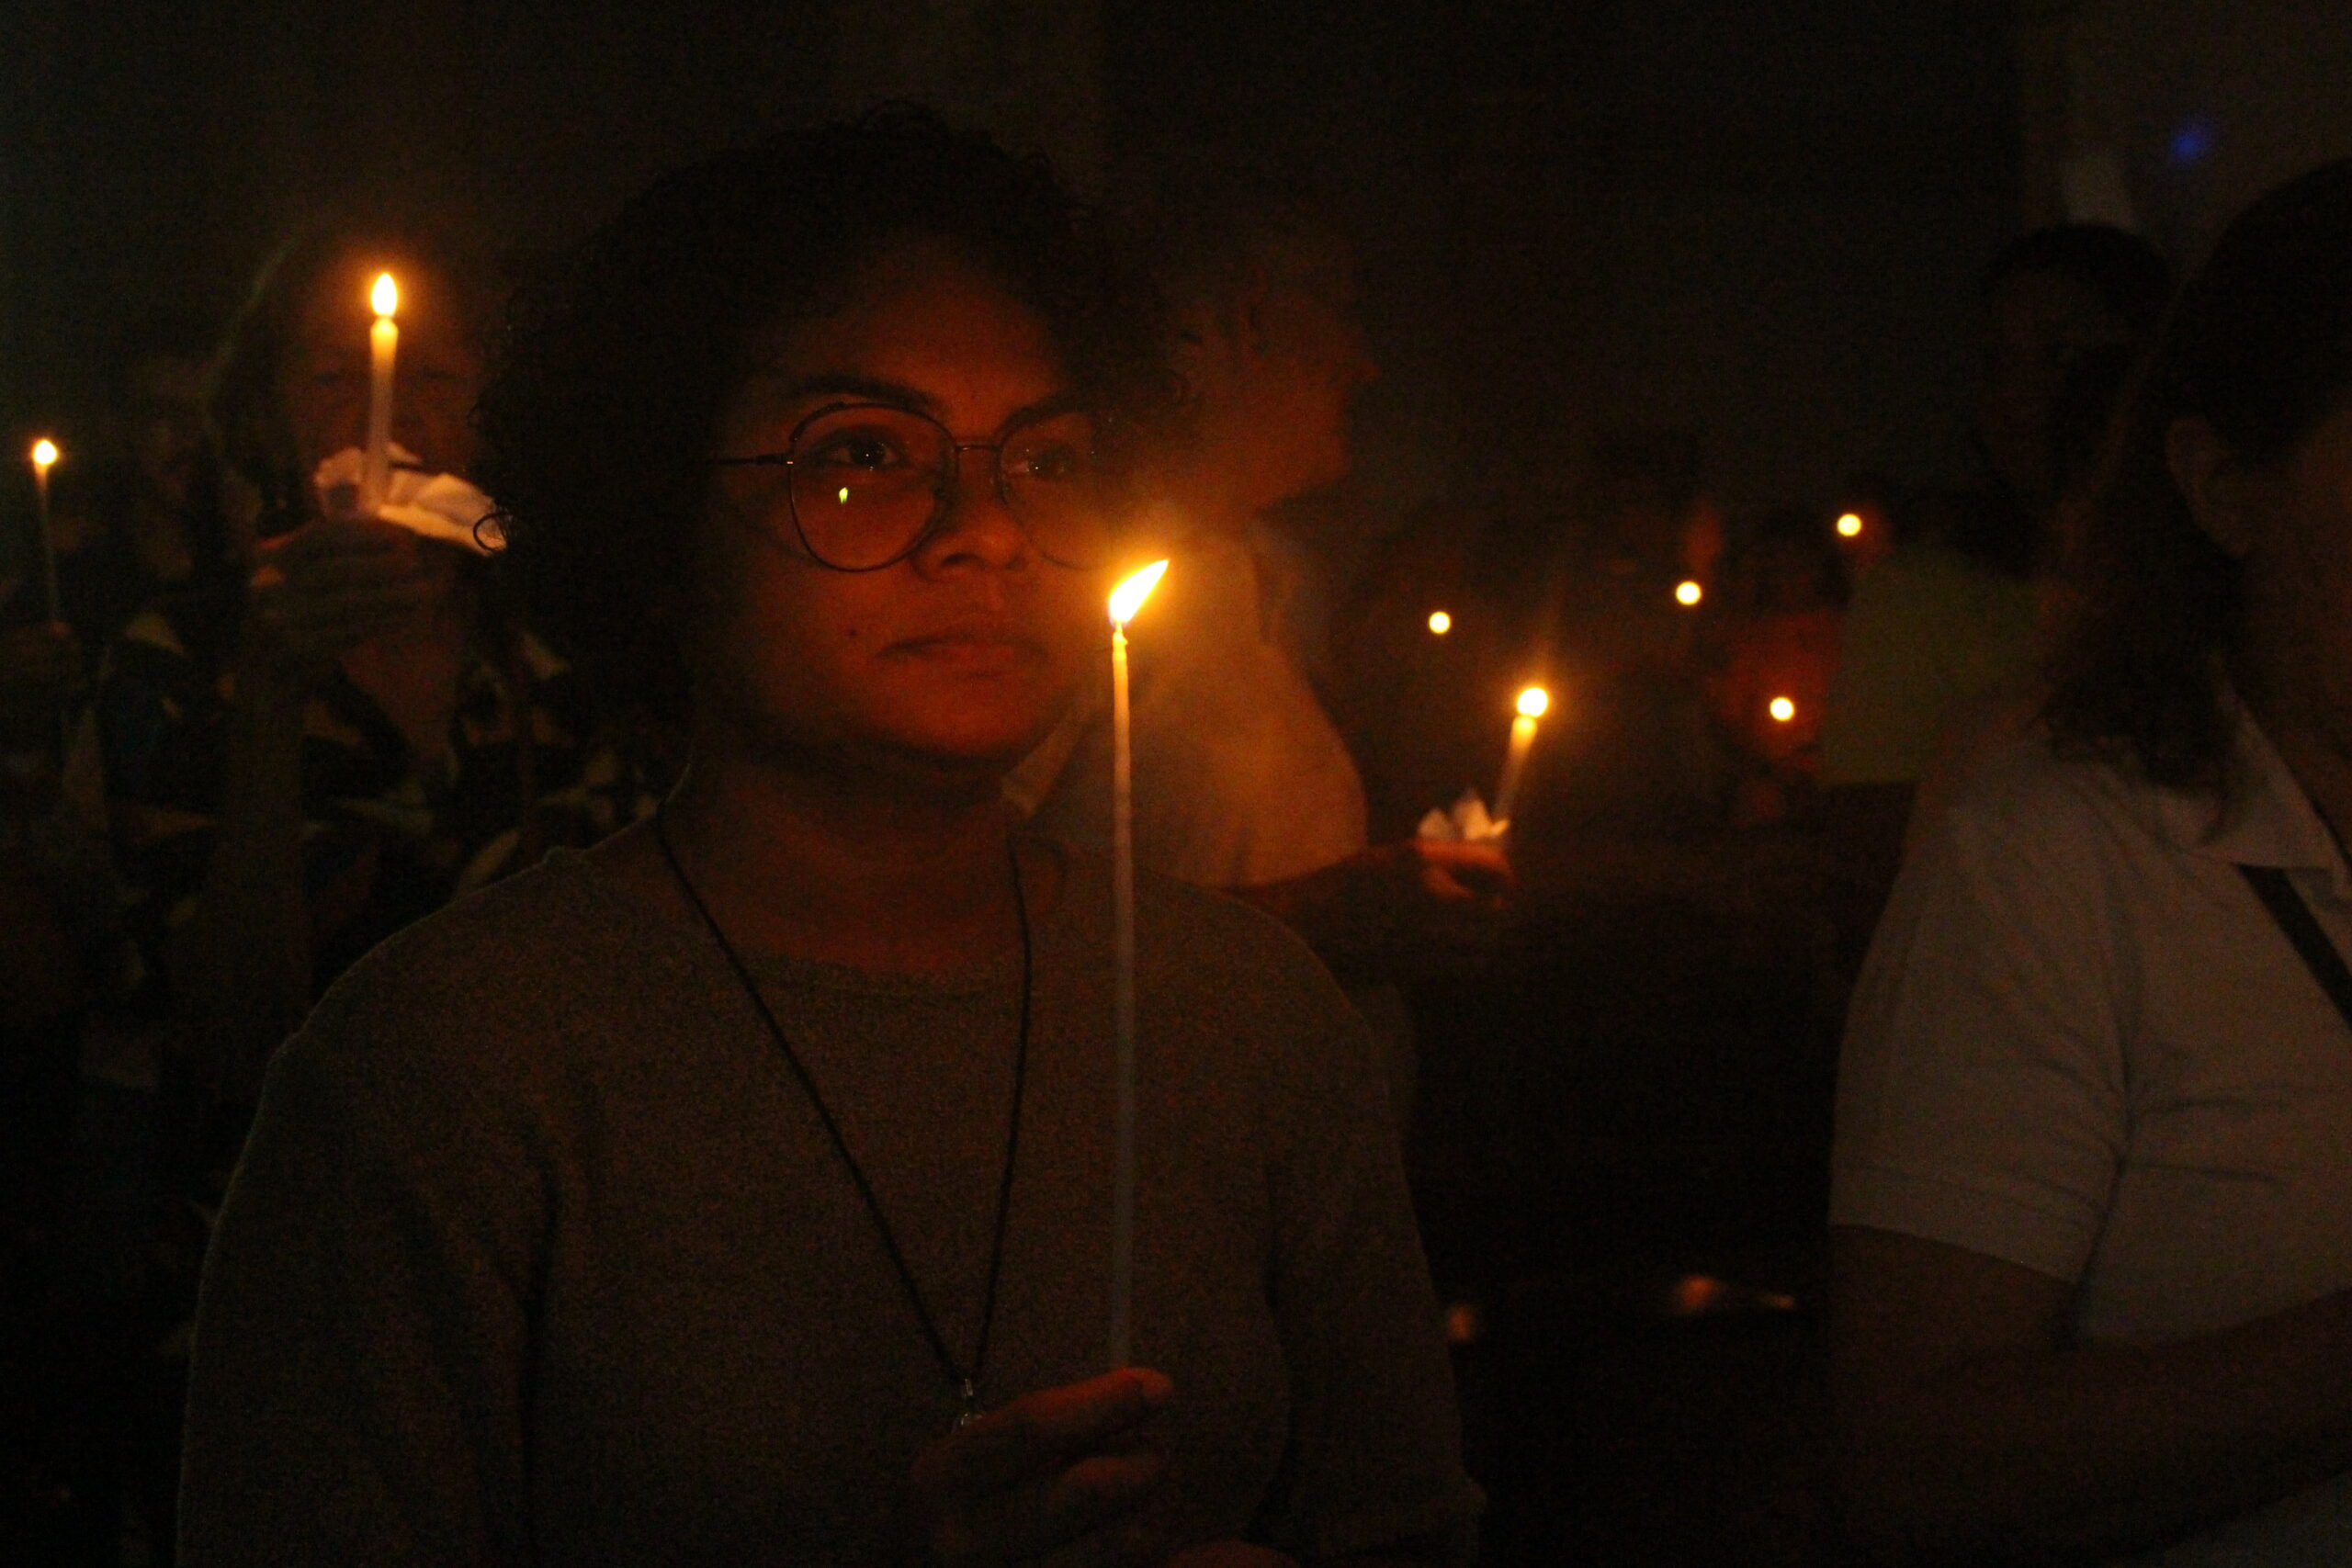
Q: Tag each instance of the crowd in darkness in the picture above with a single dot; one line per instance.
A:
(279, 768)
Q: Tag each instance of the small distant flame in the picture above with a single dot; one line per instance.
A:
(1689, 594)
(1439, 622)
(1849, 527)
(385, 295)
(44, 454)
(1533, 700)
(1783, 710)
(1129, 597)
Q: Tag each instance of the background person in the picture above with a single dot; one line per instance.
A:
(1242, 781)
(2093, 1281)
(334, 747)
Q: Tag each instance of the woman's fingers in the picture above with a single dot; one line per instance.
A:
(1037, 1429)
(1053, 1470)
(1062, 1508)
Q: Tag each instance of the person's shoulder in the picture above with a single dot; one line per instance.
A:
(2026, 799)
(1224, 936)
(497, 978)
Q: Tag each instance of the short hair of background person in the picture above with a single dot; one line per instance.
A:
(2260, 347)
(1259, 276)
(1789, 560)
(617, 361)
(2128, 274)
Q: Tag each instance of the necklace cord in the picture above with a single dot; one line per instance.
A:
(966, 1381)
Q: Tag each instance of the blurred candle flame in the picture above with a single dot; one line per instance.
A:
(1533, 700)
(1439, 622)
(44, 454)
(385, 296)
(1849, 527)
(1782, 709)
(1689, 594)
(1129, 597)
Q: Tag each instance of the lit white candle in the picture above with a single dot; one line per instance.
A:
(383, 348)
(1125, 600)
(1532, 704)
(44, 458)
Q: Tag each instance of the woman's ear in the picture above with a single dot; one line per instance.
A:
(2213, 481)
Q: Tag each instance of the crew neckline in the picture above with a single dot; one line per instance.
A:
(790, 970)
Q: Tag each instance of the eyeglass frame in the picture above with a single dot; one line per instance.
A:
(945, 493)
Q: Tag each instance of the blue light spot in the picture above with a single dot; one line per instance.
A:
(2194, 140)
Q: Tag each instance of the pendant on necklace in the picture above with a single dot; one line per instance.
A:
(970, 1398)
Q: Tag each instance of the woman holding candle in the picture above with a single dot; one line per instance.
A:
(679, 1201)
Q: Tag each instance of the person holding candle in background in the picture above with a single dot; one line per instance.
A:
(302, 767)
(680, 1201)
(312, 738)
(1243, 782)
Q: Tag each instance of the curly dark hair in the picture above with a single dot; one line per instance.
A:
(2259, 344)
(618, 361)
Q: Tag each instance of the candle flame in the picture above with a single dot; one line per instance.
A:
(1784, 710)
(1533, 700)
(1850, 525)
(1129, 597)
(44, 453)
(1439, 622)
(1689, 594)
(385, 295)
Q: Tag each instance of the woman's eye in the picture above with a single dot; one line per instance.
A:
(857, 451)
(1056, 463)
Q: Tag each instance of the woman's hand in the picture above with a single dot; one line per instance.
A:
(323, 589)
(1063, 1470)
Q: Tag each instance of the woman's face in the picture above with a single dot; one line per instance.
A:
(436, 375)
(951, 663)
(2299, 573)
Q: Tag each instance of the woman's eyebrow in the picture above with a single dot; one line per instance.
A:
(865, 388)
(1045, 407)
(898, 394)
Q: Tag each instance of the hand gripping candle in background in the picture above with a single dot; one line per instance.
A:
(1125, 600)
(45, 458)
(1532, 704)
(383, 348)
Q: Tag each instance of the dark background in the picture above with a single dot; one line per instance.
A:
(1739, 227)
(1741, 232)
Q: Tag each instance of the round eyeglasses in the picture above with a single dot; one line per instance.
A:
(870, 482)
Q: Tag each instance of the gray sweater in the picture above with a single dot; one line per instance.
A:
(540, 1254)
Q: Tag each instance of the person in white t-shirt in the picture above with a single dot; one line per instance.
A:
(2093, 1199)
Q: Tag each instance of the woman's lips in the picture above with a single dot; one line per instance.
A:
(977, 653)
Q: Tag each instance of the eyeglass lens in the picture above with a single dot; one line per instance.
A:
(866, 483)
